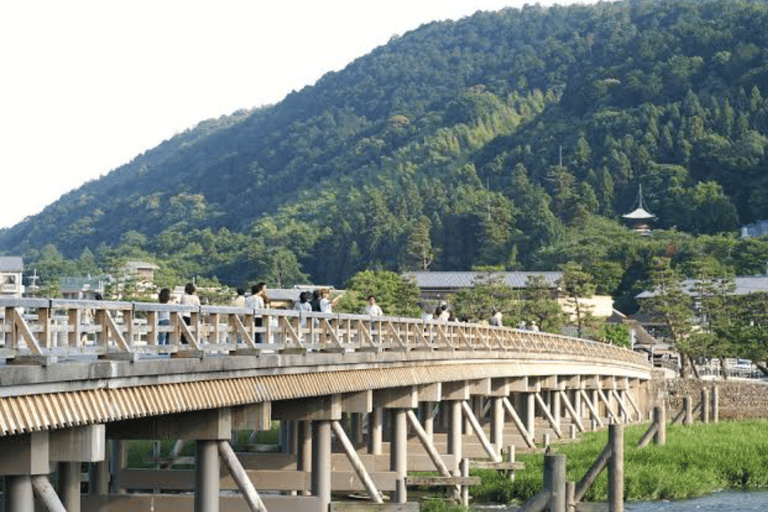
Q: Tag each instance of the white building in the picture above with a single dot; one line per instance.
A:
(11, 269)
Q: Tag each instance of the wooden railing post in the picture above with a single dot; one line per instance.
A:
(687, 407)
(705, 406)
(660, 419)
(554, 481)
(616, 468)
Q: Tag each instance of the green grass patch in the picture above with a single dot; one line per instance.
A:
(697, 460)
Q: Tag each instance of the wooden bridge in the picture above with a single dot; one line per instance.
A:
(361, 402)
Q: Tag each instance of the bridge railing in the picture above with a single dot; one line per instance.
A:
(52, 329)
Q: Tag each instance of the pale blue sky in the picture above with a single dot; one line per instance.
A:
(88, 85)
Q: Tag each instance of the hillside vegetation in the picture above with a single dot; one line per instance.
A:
(512, 138)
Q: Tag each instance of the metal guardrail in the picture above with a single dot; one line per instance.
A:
(50, 330)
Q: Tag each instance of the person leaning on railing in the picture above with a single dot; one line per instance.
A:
(163, 317)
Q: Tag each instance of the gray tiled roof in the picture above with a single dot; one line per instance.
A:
(11, 264)
(467, 279)
(744, 285)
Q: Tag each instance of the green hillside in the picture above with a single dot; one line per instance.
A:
(499, 139)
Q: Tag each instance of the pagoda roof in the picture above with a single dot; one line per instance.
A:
(639, 214)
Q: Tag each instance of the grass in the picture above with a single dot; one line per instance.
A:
(697, 460)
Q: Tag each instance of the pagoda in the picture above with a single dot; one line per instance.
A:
(640, 218)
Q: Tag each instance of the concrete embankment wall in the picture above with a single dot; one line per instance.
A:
(738, 399)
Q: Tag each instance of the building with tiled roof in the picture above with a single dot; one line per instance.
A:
(438, 285)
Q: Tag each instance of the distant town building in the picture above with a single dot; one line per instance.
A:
(142, 270)
(11, 270)
(436, 286)
(755, 230)
(83, 288)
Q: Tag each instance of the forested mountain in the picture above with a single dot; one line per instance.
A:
(499, 139)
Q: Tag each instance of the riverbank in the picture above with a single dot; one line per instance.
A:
(697, 460)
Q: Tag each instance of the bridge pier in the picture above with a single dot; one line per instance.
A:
(397, 401)
(69, 448)
(321, 462)
(24, 456)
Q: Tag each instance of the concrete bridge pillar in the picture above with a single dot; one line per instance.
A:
(427, 418)
(206, 476)
(397, 401)
(321, 461)
(429, 394)
(399, 452)
(207, 428)
(24, 456)
(375, 427)
(320, 411)
(304, 449)
(69, 448)
(454, 393)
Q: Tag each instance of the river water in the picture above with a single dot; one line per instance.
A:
(726, 501)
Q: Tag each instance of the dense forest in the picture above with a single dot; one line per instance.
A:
(512, 139)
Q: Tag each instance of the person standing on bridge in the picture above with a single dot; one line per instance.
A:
(257, 301)
(189, 298)
(373, 309)
(326, 306)
(163, 317)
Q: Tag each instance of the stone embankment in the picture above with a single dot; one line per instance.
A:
(738, 398)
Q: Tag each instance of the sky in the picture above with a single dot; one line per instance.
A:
(89, 85)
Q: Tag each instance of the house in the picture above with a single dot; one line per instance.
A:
(11, 269)
(436, 286)
(142, 270)
(83, 288)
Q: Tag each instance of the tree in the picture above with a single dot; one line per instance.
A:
(578, 285)
(672, 306)
(539, 305)
(489, 293)
(418, 247)
(395, 294)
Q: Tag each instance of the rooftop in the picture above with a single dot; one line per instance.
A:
(11, 264)
(744, 286)
(466, 279)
